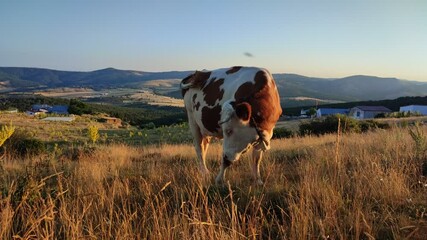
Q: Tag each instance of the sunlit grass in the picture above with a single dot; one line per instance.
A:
(371, 186)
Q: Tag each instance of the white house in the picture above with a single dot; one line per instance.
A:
(31, 113)
(304, 113)
(363, 112)
(59, 119)
(414, 109)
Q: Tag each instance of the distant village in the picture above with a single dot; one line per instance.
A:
(60, 113)
(362, 112)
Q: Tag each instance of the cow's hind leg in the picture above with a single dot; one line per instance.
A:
(256, 160)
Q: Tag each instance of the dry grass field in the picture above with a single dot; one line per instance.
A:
(354, 186)
(146, 93)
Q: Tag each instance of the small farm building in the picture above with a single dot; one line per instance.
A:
(40, 108)
(31, 113)
(363, 112)
(111, 120)
(59, 109)
(414, 109)
(56, 109)
(321, 112)
(59, 119)
(304, 113)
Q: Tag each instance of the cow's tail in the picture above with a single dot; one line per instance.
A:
(185, 86)
(187, 82)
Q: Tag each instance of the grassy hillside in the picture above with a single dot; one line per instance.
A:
(337, 187)
(109, 77)
(290, 86)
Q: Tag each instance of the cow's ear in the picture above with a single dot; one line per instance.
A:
(243, 111)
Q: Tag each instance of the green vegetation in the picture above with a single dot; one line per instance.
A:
(330, 125)
(173, 134)
(141, 116)
(282, 133)
(23, 144)
(78, 107)
(24, 102)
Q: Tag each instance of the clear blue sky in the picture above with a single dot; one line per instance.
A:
(315, 38)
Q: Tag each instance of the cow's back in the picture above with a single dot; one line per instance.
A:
(205, 93)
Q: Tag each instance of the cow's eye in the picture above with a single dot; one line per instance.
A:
(228, 132)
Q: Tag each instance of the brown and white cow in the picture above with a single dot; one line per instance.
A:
(240, 105)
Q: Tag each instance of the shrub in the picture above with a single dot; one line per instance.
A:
(93, 133)
(149, 125)
(370, 124)
(420, 140)
(330, 125)
(6, 132)
(22, 144)
(77, 107)
(282, 133)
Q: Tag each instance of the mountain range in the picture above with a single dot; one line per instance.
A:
(294, 89)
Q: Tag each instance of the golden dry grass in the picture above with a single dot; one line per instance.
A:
(365, 186)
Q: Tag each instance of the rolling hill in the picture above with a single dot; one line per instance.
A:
(295, 90)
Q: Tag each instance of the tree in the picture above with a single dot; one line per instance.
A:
(93, 133)
(6, 132)
(77, 107)
(312, 111)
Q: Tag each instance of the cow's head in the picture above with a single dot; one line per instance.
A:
(240, 131)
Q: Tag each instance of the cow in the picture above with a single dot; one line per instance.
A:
(240, 105)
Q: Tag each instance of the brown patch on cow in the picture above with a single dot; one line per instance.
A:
(212, 91)
(263, 98)
(211, 117)
(194, 97)
(233, 70)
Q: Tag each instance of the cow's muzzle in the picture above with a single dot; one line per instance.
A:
(225, 161)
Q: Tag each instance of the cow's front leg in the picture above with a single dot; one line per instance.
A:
(256, 160)
(204, 146)
(225, 164)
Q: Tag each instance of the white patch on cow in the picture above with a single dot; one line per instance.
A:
(227, 112)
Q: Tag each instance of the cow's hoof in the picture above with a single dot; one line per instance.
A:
(259, 182)
(205, 172)
(219, 181)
